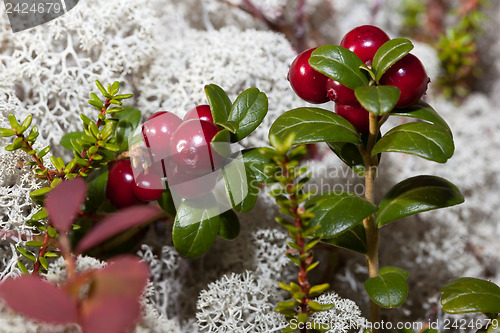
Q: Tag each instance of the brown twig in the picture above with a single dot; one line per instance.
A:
(43, 249)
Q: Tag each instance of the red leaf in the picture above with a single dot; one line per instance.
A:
(112, 316)
(116, 223)
(64, 201)
(125, 276)
(39, 300)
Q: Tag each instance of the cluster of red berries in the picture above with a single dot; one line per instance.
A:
(408, 74)
(181, 151)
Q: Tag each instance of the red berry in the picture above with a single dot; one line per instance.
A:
(190, 186)
(408, 74)
(119, 187)
(364, 40)
(307, 83)
(356, 115)
(190, 147)
(339, 93)
(147, 187)
(157, 132)
(201, 112)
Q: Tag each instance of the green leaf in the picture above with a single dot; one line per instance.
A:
(27, 254)
(257, 163)
(196, 226)
(388, 54)
(415, 195)
(6, 132)
(66, 139)
(220, 142)
(378, 99)
(219, 102)
(13, 123)
(40, 192)
(248, 111)
(231, 126)
(166, 203)
(320, 307)
(350, 155)
(43, 152)
(128, 120)
(44, 262)
(426, 140)
(229, 225)
(241, 186)
(314, 125)
(389, 290)
(339, 64)
(318, 290)
(22, 267)
(115, 87)
(353, 239)
(337, 212)
(96, 189)
(96, 104)
(424, 111)
(467, 294)
(393, 269)
(34, 243)
(100, 87)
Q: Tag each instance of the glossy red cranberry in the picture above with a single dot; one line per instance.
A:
(339, 93)
(364, 40)
(190, 186)
(356, 115)
(201, 112)
(307, 83)
(157, 132)
(190, 147)
(119, 187)
(147, 187)
(408, 74)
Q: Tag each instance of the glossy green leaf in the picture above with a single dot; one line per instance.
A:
(66, 139)
(415, 195)
(96, 186)
(43, 262)
(426, 140)
(34, 243)
(389, 290)
(350, 155)
(128, 120)
(229, 225)
(40, 192)
(339, 64)
(257, 162)
(353, 239)
(196, 226)
(336, 212)
(314, 125)
(6, 132)
(241, 186)
(424, 111)
(468, 294)
(27, 254)
(378, 99)
(220, 142)
(388, 54)
(219, 102)
(231, 126)
(166, 203)
(393, 269)
(248, 111)
(22, 267)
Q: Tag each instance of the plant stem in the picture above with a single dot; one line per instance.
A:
(372, 231)
(43, 249)
(38, 161)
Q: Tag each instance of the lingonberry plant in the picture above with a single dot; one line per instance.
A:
(387, 82)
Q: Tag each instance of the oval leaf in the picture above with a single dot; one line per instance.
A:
(424, 111)
(415, 195)
(66, 139)
(63, 203)
(314, 125)
(467, 294)
(30, 296)
(426, 140)
(229, 225)
(393, 269)
(219, 102)
(116, 223)
(257, 162)
(353, 239)
(389, 290)
(241, 187)
(338, 212)
(378, 99)
(339, 64)
(388, 54)
(196, 226)
(248, 111)
(96, 183)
